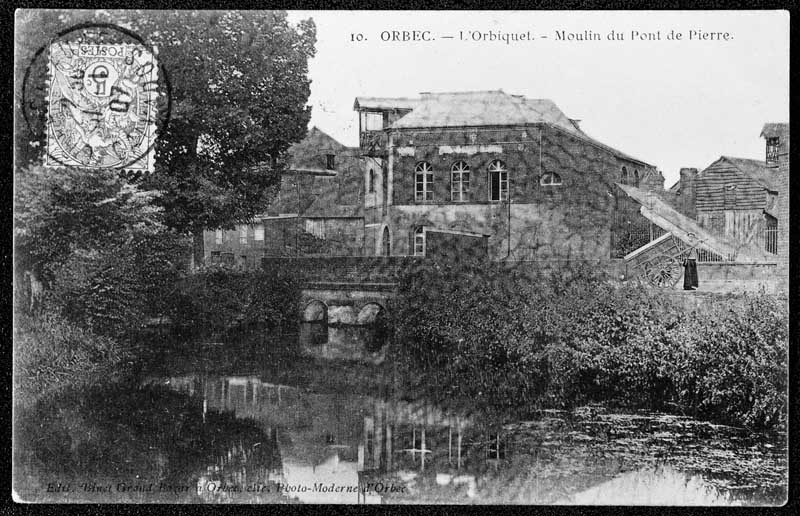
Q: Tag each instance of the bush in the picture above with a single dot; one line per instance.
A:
(51, 353)
(732, 361)
(218, 299)
(515, 337)
(112, 290)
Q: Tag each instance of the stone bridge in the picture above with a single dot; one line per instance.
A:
(344, 289)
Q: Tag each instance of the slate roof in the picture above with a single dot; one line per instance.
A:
(480, 108)
(772, 130)
(308, 155)
(309, 189)
(756, 170)
(486, 108)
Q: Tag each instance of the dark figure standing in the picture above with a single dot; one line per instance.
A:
(690, 271)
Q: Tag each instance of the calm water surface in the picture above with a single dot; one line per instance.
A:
(286, 420)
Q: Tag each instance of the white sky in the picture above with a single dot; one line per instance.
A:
(670, 103)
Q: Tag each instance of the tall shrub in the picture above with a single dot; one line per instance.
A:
(218, 299)
(522, 337)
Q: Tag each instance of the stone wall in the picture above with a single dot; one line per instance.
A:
(783, 213)
(455, 247)
(572, 220)
(343, 269)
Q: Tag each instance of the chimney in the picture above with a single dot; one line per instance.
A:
(689, 192)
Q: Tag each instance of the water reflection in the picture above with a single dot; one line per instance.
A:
(336, 447)
(257, 422)
(363, 343)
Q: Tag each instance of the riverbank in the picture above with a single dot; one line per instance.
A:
(506, 339)
(51, 354)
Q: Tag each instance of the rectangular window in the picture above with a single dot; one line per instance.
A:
(218, 237)
(498, 186)
(459, 187)
(374, 122)
(243, 234)
(424, 187)
(419, 244)
(330, 161)
(259, 233)
(772, 150)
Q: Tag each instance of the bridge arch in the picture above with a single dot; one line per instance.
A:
(315, 311)
(371, 313)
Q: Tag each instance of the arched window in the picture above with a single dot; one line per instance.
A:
(624, 179)
(419, 241)
(459, 182)
(386, 244)
(498, 181)
(423, 182)
(550, 179)
(636, 178)
(371, 181)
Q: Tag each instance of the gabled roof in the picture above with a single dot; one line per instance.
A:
(308, 155)
(772, 130)
(755, 169)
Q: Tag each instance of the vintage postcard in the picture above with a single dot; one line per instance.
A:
(401, 257)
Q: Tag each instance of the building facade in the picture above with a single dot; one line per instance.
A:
(317, 210)
(513, 170)
(776, 139)
(737, 197)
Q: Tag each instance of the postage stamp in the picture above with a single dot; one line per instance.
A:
(101, 109)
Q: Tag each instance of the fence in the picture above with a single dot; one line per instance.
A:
(626, 241)
(768, 238)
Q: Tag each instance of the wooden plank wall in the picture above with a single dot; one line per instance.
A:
(711, 187)
(743, 225)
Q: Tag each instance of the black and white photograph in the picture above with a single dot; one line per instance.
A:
(401, 257)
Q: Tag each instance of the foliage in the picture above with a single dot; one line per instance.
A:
(51, 353)
(108, 253)
(239, 95)
(505, 338)
(239, 89)
(134, 434)
(98, 244)
(218, 298)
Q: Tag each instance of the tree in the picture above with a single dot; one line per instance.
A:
(95, 243)
(239, 92)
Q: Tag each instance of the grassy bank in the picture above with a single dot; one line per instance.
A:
(52, 354)
(519, 338)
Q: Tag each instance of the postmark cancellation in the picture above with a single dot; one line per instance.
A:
(101, 106)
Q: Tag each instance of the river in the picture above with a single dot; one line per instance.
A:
(292, 418)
